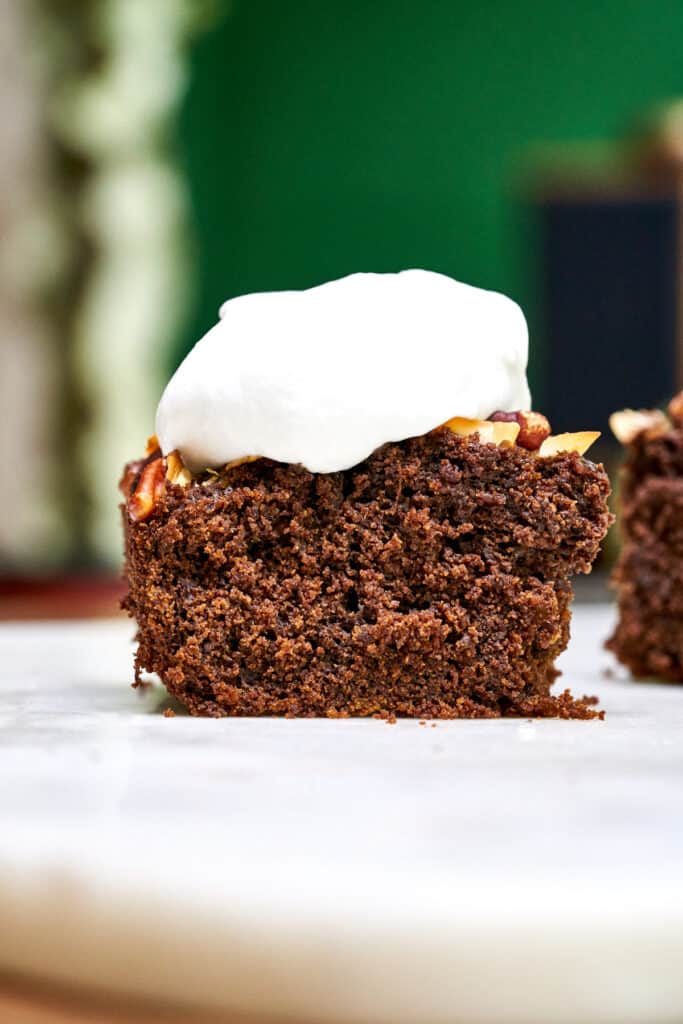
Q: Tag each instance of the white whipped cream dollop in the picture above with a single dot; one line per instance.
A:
(325, 376)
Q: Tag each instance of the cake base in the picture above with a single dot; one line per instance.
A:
(431, 581)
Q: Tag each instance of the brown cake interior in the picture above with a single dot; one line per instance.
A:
(432, 580)
(648, 577)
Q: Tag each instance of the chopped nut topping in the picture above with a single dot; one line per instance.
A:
(127, 481)
(152, 445)
(533, 427)
(149, 490)
(627, 424)
(579, 443)
(176, 472)
(241, 462)
(676, 407)
(498, 433)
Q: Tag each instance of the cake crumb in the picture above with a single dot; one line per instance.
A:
(169, 713)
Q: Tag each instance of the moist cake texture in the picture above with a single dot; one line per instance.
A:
(431, 580)
(648, 577)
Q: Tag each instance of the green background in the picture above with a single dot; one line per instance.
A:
(321, 138)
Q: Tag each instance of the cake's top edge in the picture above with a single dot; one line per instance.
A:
(629, 424)
(325, 376)
(144, 481)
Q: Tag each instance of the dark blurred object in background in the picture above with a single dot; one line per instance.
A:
(610, 265)
(610, 278)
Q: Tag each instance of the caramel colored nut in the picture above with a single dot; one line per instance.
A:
(149, 490)
(498, 433)
(241, 462)
(533, 430)
(629, 423)
(152, 445)
(503, 417)
(533, 427)
(676, 407)
(211, 474)
(127, 481)
(579, 443)
(176, 472)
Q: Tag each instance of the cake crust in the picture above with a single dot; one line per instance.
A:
(430, 581)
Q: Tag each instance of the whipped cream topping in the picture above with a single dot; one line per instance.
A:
(324, 376)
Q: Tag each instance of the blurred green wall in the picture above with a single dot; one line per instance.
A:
(322, 137)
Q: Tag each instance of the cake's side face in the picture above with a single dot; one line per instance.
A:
(431, 580)
(648, 577)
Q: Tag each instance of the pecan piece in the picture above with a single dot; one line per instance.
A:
(130, 475)
(148, 490)
(533, 427)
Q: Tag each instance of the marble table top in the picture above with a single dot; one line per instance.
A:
(341, 871)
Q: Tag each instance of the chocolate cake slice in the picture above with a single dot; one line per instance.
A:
(648, 577)
(430, 580)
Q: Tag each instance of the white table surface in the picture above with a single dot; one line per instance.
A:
(346, 871)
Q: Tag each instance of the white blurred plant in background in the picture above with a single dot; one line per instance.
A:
(96, 258)
(34, 258)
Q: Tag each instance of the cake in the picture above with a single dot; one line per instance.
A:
(312, 536)
(648, 577)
